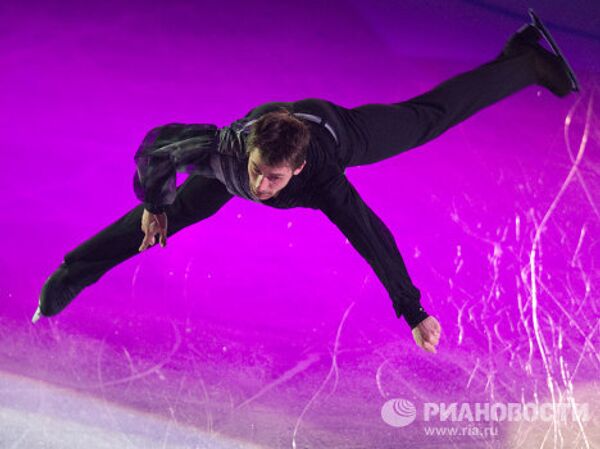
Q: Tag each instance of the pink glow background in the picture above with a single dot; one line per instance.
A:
(261, 327)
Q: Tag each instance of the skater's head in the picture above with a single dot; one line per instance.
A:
(277, 146)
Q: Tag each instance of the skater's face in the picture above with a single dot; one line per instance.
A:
(267, 180)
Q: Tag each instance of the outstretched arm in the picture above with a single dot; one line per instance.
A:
(164, 151)
(342, 204)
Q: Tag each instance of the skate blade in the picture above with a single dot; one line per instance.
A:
(36, 316)
(537, 22)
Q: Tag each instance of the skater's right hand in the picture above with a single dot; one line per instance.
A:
(153, 225)
(427, 333)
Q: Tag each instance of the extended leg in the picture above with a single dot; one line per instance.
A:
(380, 131)
(390, 129)
(197, 198)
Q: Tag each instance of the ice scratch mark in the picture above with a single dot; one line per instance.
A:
(332, 370)
(539, 337)
(197, 373)
(152, 370)
(378, 374)
(575, 167)
(472, 375)
(106, 401)
(299, 368)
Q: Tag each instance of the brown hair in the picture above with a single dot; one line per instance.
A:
(280, 137)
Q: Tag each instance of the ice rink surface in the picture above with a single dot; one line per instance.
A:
(263, 328)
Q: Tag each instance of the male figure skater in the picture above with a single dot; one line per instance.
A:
(294, 154)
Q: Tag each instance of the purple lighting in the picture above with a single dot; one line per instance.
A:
(262, 327)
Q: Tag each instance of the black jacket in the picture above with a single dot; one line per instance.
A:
(206, 150)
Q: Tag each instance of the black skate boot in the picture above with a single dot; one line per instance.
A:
(57, 293)
(537, 22)
(552, 70)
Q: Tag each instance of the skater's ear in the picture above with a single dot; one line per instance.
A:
(299, 169)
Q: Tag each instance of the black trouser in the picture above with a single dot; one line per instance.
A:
(375, 132)
(368, 134)
(197, 198)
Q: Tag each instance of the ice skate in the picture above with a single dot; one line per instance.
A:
(57, 293)
(536, 21)
(552, 69)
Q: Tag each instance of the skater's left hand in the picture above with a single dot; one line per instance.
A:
(427, 333)
(153, 225)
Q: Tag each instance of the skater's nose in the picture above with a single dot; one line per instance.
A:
(262, 183)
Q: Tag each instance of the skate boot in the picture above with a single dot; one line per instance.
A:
(537, 22)
(552, 70)
(57, 293)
